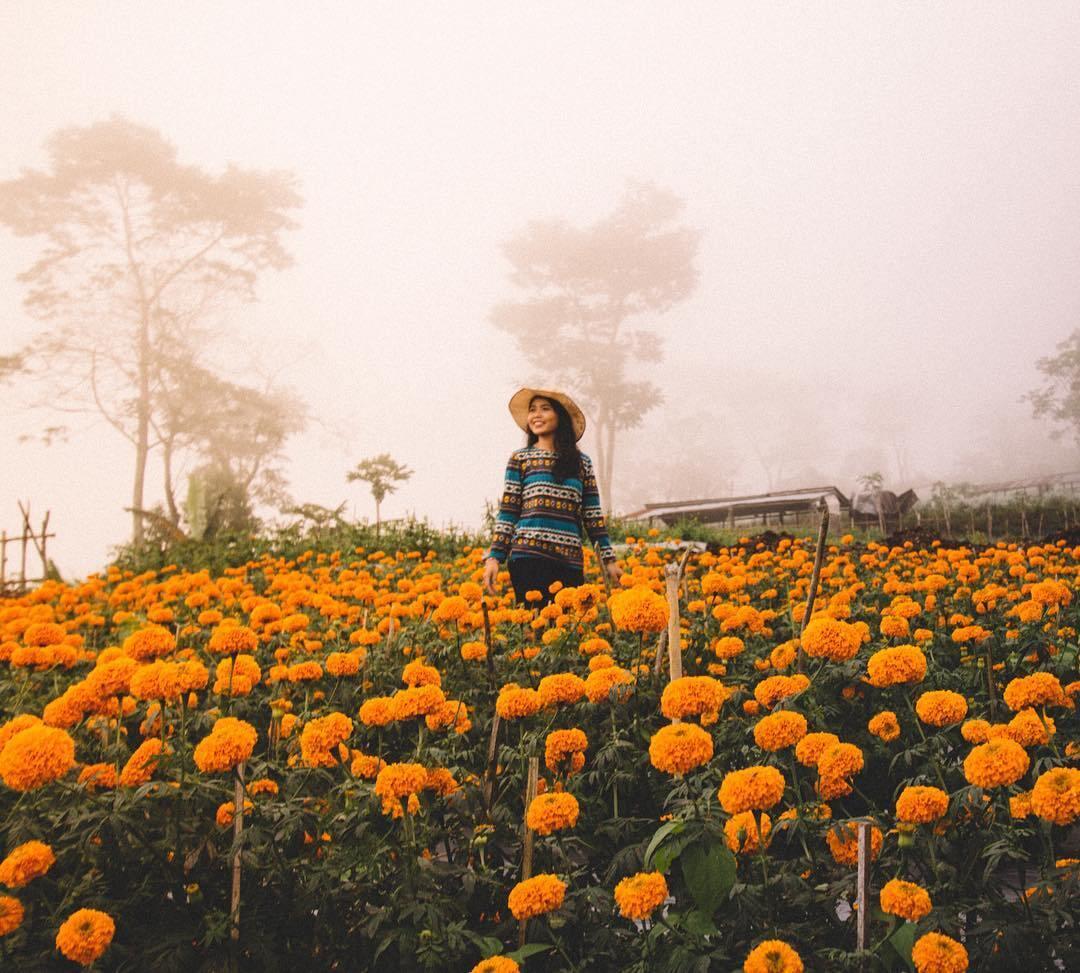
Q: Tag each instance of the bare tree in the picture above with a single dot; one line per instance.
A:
(581, 291)
(140, 252)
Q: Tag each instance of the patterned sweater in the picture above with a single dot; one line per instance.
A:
(541, 517)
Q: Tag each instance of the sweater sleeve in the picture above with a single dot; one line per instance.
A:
(509, 511)
(592, 513)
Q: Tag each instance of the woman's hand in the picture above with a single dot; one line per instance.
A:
(491, 574)
(614, 572)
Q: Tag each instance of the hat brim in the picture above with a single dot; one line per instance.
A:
(519, 408)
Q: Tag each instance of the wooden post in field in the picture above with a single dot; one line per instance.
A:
(238, 828)
(488, 643)
(674, 646)
(862, 888)
(3, 560)
(527, 850)
(811, 597)
(492, 764)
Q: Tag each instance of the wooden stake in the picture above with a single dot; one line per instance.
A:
(238, 828)
(489, 772)
(488, 643)
(862, 889)
(527, 850)
(671, 579)
(811, 597)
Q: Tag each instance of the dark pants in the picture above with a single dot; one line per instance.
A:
(537, 573)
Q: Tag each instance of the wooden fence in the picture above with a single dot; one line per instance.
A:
(18, 548)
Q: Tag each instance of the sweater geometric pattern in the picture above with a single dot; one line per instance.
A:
(540, 517)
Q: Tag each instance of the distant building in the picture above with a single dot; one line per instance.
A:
(784, 508)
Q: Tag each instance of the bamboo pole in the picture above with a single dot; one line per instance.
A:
(862, 890)
(674, 647)
(238, 829)
(527, 849)
(819, 556)
(489, 770)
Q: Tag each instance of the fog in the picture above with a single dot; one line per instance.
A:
(888, 196)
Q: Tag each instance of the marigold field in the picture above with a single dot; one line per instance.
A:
(382, 714)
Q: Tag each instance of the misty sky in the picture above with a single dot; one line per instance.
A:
(889, 195)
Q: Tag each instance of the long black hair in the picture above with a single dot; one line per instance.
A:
(568, 456)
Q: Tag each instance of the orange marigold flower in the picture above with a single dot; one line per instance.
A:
(770, 691)
(441, 781)
(229, 744)
(564, 751)
(552, 812)
(728, 646)
(773, 956)
(743, 832)
(158, 680)
(536, 896)
(700, 696)
(809, 749)
(679, 748)
(830, 638)
(905, 899)
(756, 788)
(264, 785)
(366, 765)
(35, 757)
(843, 841)
(11, 914)
(610, 683)
(640, 895)
(935, 953)
(399, 780)
(778, 731)
(639, 609)
(996, 763)
(232, 640)
(514, 702)
(418, 673)
(840, 760)
(237, 675)
(496, 964)
(1027, 728)
(474, 652)
(43, 633)
(16, 725)
(376, 711)
(1020, 806)
(111, 678)
(25, 863)
(595, 646)
(340, 665)
(897, 665)
(884, 725)
(1038, 689)
(407, 704)
(452, 713)
(85, 935)
(142, 763)
(98, 776)
(921, 805)
(563, 687)
(309, 671)
(148, 643)
(975, 731)
(1056, 795)
(321, 739)
(226, 813)
(941, 707)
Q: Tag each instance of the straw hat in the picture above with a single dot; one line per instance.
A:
(519, 408)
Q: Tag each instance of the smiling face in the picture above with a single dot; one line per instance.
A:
(542, 418)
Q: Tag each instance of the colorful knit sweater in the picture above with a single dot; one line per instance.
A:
(541, 517)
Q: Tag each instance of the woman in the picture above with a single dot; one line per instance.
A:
(549, 495)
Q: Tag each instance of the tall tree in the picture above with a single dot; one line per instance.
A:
(382, 473)
(140, 254)
(1059, 397)
(585, 295)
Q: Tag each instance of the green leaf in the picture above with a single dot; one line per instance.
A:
(529, 949)
(902, 941)
(699, 924)
(490, 946)
(671, 827)
(709, 873)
